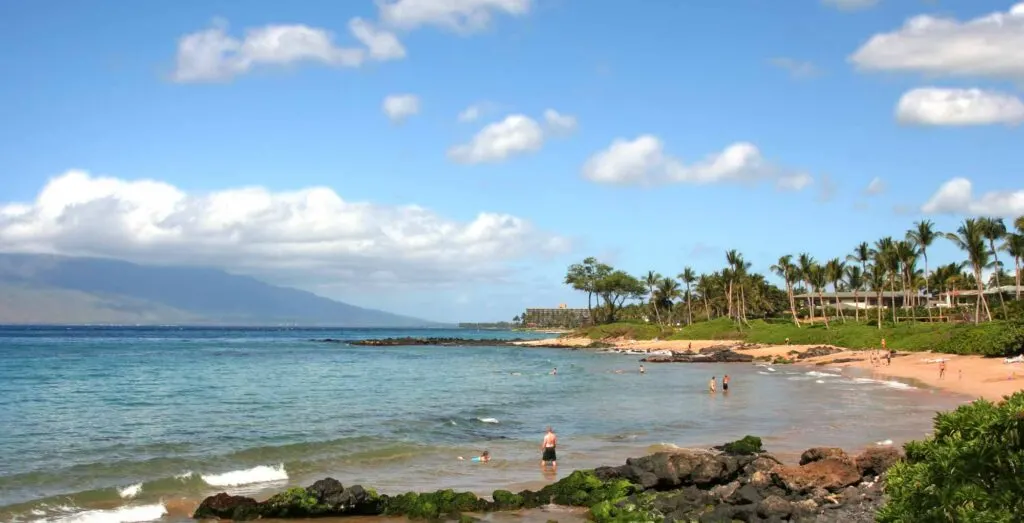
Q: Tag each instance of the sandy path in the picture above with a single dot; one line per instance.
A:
(973, 376)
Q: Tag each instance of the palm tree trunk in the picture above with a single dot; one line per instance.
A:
(1002, 301)
(825, 315)
(743, 305)
(981, 295)
(927, 288)
(1016, 275)
(878, 309)
(892, 299)
(856, 303)
(839, 307)
(792, 303)
(689, 309)
(707, 308)
(728, 301)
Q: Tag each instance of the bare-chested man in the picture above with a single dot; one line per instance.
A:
(548, 449)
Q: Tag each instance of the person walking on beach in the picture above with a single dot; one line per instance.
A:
(942, 369)
(725, 383)
(548, 449)
(888, 358)
(711, 385)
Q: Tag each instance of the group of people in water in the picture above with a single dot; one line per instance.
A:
(712, 385)
(548, 456)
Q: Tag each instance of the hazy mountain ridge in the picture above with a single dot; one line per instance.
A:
(45, 289)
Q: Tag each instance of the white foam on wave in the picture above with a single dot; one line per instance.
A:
(822, 374)
(763, 373)
(126, 514)
(260, 474)
(188, 474)
(891, 384)
(819, 381)
(130, 491)
(487, 420)
(884, 443)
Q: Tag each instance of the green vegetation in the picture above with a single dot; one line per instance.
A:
(746, 445)
(969, 470)
(888, 296)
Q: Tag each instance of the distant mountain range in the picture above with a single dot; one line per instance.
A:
(44, 289)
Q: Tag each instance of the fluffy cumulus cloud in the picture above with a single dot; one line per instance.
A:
(515, 135)
(398, 107)
(462, 16)
(213, 55)
(936, 106)
(850, 5)
(643, 161)
(307, 237)
(991, 45)
(957, 197)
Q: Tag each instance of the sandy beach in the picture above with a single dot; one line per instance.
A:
(973, 376)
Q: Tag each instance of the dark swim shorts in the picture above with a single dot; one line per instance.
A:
(725, 386)
(549, 454)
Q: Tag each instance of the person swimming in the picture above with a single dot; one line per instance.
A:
(484, 457)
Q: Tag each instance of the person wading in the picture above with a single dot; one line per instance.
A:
(548, 449)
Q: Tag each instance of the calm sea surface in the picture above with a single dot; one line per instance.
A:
(139, 424)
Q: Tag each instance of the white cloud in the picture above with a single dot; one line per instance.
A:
(643, 161)
(516, 134)
(464, 16)
(991, 45)
(212, 55)
(398, 107)
(559, 123)
(470, 114)
(308, 237)
(850, 5)
(383, 45)
(937, 106)
(797, 68)
(875, 187)
(957, 197)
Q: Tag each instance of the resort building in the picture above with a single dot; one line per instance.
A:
(848, 300)
(970, 296)
(561, 316)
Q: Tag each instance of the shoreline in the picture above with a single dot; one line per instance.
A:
(970, 375)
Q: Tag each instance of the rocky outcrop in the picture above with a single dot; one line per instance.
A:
(739, 483)
(443, 342)
(726, 355)
(816, 352)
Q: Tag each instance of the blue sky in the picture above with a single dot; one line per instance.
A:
(98, 87)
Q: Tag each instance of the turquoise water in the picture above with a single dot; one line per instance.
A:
(133, 424)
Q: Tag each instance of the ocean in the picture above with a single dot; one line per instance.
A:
(105, 425)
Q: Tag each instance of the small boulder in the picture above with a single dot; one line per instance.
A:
(774, 507)
(831, 474)
(327, 491)
(760, 479)
(820, 453)
(726, 491)
(224, 506)
(876, 460)
(747, 494)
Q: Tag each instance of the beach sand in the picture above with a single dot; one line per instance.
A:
(972, 376)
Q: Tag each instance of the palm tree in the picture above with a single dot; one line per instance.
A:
(742, 274)
(923, 235)
(834, 270)
(805, 262)
(704, 288)
(970, 239)
(652, 281)
(876, 280)
(885, 256)
(1014, 246)
(785, 269)
(862, 255)
(819, 279)
(688, 276)
(665, 292)
(993, 229)
(855, 279)
(732, 259)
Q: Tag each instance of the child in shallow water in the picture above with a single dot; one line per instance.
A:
(484, 457)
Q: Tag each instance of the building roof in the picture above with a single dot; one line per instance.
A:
(1006, 289)
(850, 294)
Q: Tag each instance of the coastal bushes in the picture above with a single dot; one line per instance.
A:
(632, 331)
(969, 470)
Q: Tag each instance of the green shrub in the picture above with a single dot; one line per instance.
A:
(634, 331)
(996, 338)
(970, 470)
(745, 445)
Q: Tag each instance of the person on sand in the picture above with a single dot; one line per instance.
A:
(484, 457)
(548, 449)
(725, 383)
(711, 385)
(942, 369)
(888, 358)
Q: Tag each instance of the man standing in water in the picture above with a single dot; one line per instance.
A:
(548, 449)
(725, 383)
(711, 385)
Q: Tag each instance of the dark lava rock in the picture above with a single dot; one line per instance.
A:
(224, 506)
(815, 352)
(445, 342)
(820, 453)
(720, 356)
(876, 460)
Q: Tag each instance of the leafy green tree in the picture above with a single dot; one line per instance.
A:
(923, 235)
(652, 280)
(970, 470)
(1014, 246)
(969, 237)
(665, 293)
(615, 288)
(805, 262)
(818, 279)
(785, 269)
(584, 277)
(855, 279)
(688, 277)
(834, 272)
(876, 280)
(993, 229)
